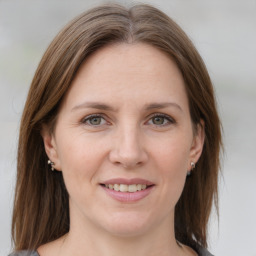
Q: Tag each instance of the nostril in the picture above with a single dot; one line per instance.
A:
(128, 156)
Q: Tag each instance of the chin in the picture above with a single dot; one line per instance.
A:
(127, 231)
(129, 225)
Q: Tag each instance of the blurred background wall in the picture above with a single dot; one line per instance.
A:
(224, 33)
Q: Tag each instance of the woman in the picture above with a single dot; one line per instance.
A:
(119, 141)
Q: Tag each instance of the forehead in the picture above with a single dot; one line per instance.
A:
(128, 72)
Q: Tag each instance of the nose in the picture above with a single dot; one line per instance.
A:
(128, 149)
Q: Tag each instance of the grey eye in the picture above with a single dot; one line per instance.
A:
(95, 120)
(158, 120)
(161, 120)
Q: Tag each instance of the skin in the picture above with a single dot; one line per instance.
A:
(130, 138)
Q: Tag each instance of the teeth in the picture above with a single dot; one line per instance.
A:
(126, 188)
(132, 188)
(116, 187)
(123, 188)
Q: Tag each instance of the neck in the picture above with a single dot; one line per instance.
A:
(91, 240)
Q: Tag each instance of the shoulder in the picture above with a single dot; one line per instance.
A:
(24, 253)
(203, 252)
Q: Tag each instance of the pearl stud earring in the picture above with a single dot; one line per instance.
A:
(51, 164)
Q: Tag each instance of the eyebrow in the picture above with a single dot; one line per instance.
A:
(102, 106)
(96, 105)
(162, 105)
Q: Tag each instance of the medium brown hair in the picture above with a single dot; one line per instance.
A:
(41, 205)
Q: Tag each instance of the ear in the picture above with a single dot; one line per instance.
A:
(197, 144)
(50, 146)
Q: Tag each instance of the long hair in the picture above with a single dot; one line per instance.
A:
(41, 205)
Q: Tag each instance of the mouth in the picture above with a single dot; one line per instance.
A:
(131, 188)
(128, 190)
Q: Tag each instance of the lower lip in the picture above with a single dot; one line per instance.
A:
(128, 196)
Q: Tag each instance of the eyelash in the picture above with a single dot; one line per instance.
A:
(169, 119)
(90, 117)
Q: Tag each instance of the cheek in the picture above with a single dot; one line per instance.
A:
(79, 159)
(174, 170)
(172, 159)
(173, 156)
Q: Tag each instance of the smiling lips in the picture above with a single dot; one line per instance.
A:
(127, 190)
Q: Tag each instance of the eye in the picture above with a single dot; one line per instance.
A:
(161, 120)
(94, 120)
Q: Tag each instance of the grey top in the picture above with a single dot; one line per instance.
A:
(200, 251)
(24, 253)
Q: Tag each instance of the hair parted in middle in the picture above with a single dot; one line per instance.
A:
(41, 208)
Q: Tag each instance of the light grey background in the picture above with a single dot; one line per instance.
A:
(224, 33)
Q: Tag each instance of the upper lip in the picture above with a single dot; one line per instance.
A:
(128, 181)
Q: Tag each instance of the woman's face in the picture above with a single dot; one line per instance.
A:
(125, 121)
